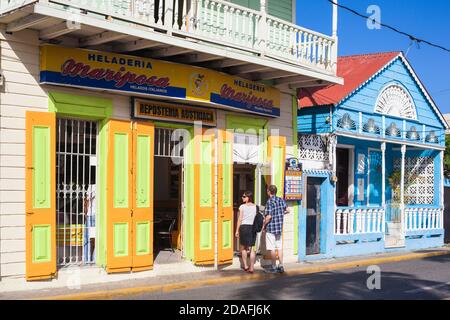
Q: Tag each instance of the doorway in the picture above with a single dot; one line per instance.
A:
(168, 198)
(243, 180)
(447, 214)
(313, 215)
(76, 163)
(342, 162)
(375, 178)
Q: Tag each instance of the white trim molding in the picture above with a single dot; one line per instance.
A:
(395, 100)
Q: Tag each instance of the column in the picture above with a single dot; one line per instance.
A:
(402, 185)
(441, 193)
(168, 16)
(334, 53)
(263, 31)
(383, 175)
(441, 177)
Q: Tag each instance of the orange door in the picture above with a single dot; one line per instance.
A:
(40, 197)
(277, 156)
(119, 197)
(225, 197)
(143, 145)
(204, 197)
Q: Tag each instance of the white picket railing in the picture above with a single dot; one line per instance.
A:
(299, 45)
(217, 21)
(349, 221)
(8, 5)
(417, 219)
(225, 22)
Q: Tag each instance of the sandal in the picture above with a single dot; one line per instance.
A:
(245, 269)
(250, 271)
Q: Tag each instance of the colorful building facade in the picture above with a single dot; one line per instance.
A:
(372, 151)
(122, 116)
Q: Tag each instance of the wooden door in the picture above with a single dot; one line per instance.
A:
(142, 211)
(375, 178)
(313, 215)
(119, 197)
(277, 157)
(204, 197)
(225, 197)
(40, 195)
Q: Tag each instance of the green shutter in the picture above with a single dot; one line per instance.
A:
(42, 246)
(278, 164)
(143, 238)
(281, 9)
(121, 239)
(120, 170)
(143, 172)
(41, 165)
(227, 176)
(251, 4)
(206, 175)
(226, 234)
(205, 234)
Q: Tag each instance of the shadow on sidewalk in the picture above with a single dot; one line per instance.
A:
(346, 286)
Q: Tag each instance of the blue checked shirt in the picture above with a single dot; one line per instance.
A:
(275, 207)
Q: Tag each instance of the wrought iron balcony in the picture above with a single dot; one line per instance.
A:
(226, 36)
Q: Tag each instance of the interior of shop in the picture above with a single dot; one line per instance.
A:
(167, 211)
(243, 180)
(76, 160)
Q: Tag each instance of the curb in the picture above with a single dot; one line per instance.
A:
(108, 294)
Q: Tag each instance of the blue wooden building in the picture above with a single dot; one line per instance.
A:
(372, 153)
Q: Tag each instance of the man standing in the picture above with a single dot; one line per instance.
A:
(273, 226)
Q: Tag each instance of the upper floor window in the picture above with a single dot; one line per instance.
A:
(394, 100)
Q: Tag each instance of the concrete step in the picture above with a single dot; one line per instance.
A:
(394, 241)
(393, 228)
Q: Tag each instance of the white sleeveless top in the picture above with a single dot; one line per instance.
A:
(249, 213)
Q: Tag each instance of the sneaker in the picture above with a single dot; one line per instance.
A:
(270, 270)
(280, 269)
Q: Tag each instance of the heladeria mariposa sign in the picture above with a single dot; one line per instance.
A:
(109, 71)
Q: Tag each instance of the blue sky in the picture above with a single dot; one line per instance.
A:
(425, 19)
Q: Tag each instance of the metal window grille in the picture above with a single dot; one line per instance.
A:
(167, 144)
(76, 161)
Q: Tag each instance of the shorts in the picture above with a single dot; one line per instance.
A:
(273, 241)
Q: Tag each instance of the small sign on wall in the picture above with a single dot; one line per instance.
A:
(293, 180)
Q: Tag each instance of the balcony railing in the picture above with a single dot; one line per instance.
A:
(350, 221)
(218, 22)
(7, 5)
(417, 219)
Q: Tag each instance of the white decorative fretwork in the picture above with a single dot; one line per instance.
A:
(419, 180)
(396, 101)
(312, 147)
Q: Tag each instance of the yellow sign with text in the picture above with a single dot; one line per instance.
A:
(173, 112)
(143, 76)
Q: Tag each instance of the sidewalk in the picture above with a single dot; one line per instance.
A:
(185, 276)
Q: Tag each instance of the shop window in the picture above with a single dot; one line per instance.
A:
(76, 161)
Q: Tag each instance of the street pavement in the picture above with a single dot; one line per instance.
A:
(427, 278)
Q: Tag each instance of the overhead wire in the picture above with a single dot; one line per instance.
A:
(410, 36)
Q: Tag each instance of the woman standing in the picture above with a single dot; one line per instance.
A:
(247, 237)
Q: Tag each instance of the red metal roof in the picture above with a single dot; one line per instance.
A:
(355, 70)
